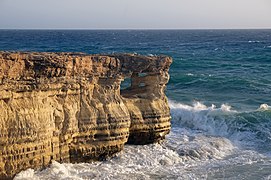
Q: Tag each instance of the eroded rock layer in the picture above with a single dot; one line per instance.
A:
(70, 108)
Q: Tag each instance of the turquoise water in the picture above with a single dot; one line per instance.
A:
(219, 91)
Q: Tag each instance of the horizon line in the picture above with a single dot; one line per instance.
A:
(269, 28)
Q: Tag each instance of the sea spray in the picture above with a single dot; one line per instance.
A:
(248, 129)
(194, 149)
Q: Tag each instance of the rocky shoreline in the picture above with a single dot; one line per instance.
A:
(69, 107)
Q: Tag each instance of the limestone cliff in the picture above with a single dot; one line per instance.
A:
(69, 107)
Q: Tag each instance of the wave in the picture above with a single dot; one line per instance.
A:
(254, 41)
(130, 165)
(203, 75)
(249, 129)
(264, 107)
(205, 142)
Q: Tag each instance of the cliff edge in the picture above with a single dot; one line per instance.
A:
(70, 107)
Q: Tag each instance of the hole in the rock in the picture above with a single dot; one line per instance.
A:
(142, 74)
(6, 100)
(126, 83)
(142, 84)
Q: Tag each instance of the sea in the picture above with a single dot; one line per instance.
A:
(219, 95)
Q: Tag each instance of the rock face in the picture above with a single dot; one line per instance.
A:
(70, 108)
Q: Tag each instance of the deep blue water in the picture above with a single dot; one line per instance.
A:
(211, 66)
(230, 69)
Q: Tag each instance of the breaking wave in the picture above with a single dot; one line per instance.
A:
(205, 142)
(249, 129)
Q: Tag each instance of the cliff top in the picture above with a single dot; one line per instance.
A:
(32, 65)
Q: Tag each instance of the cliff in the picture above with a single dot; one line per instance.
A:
(69, 107)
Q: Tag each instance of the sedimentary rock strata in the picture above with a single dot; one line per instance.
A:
(69, 107)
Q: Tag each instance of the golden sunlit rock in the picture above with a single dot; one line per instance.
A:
(69, 107)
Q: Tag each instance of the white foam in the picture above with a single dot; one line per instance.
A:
(190, 74)
(200, 145)
(254, 41)
(196, 157)
(138, 162)
(27, 174)
(227, 108)
(264, 107)
(194, 146)
(198, 106)
(205, 75)
(214, 121)
(135, 162)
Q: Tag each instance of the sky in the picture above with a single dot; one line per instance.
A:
(135, 14)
